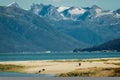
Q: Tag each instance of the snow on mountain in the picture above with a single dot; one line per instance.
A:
(36, 8)
(94, 10)
(47, 11)
(95, 7)
(62, 8)
(72, 13)
(98, 10)
(76, 11)
(117, 15)
(57, 13)
(91, 25)
(104, 13)
(13, 4)
(27, 32)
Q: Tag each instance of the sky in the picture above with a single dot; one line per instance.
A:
(104, 4)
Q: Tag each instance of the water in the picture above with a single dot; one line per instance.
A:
(16, 74)
(49, 56)
(55, 56)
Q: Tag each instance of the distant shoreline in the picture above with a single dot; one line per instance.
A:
(61, 59)
(56, 56)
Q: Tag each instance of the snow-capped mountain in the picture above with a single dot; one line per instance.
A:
(91, 25)
(46, 11)
(57, 13)
(71, 13)
(117, 13)
(23, 31)
(13, 4)
(91, 20)
(62, 8)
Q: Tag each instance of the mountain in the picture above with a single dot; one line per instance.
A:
(45, 25)
(117, 11)
(91, 25)
(13, 4)
(46, 11)
(112, 45)
(23, 31)
(62, 8)
(72, 13)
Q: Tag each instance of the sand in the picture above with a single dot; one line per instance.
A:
(63, 66)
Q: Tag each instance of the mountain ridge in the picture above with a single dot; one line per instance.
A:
(13, 4)
(23, 31)
(112, 45)
(92, 19)
(71, 11)
(92, 26)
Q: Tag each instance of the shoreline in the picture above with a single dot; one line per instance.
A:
(62, 59)
(59, 66)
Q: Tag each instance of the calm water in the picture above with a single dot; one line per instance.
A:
(16, 74)
(55, 56)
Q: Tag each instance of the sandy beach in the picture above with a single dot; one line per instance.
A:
(62, 66)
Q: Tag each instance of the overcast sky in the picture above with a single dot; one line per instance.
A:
(105, 4)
